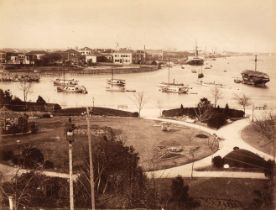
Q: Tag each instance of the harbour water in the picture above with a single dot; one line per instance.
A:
(223, 71)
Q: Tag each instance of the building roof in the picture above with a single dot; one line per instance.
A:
(85, 48)
(123, 51)
(37, 52)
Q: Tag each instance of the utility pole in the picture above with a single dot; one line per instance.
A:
(90, 161)
(192, 153)
(71, 178)
(70, 138)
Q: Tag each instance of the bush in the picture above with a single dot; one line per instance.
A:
(244, 159)
(218, 161)
(32, 158)
(217, 120)
(33, 127)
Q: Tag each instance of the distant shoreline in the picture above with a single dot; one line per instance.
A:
(53, 70)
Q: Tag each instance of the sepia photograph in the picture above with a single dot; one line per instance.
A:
(137, 104)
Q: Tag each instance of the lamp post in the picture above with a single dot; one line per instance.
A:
(70, 139)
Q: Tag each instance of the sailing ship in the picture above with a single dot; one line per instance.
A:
(172, 87)
(65, 82)
(195, 60)
(69, 86)
(254, 77)
(115, 85)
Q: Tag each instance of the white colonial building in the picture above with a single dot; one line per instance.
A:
(85, 51)
(122, 57)
(91, 58)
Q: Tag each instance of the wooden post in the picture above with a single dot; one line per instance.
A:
(71, 178)
(90, 161)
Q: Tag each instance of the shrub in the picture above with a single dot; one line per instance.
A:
(218, 161)
(217, 120)
(32, 157)
(244, 159)
(33, 127)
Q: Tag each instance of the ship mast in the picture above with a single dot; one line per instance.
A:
(256, 60)
(169, 71)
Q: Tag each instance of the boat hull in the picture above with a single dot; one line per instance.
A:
(254, 78)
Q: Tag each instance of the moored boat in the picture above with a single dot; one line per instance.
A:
(72, 89)
(175, 89)
(64, 82)
(195, 60)
(119, 82)
(254, 77)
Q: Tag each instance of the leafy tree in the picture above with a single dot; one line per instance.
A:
(204, 109)
(180, 198)
(40, 101)
(32, 157)
(216, 120)
(226, 110)
(116, 172)
(22, 124)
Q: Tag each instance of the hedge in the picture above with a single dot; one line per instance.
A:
(96, 111)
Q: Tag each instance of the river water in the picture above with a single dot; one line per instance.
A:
(223, 71)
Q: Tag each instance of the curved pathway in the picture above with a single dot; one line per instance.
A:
(7, 172)
(231, 135)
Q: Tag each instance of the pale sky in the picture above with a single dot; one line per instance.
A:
(238, 25)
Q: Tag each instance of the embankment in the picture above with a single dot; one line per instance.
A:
(98, 69)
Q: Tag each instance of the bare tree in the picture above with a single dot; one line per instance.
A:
(26, 88)
(266, 126)
(242, 100)
(160, 106)
(217, 95)
(139, 100)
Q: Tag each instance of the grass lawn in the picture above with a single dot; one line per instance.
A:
(219, 193)
(153, 145)
(257, 140)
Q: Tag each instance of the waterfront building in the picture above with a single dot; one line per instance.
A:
(139, 57)
(123, 57)
(3, 57)
(85, 51)
(72, 57)
(92, 58)
(154, 54)
(16, 58)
